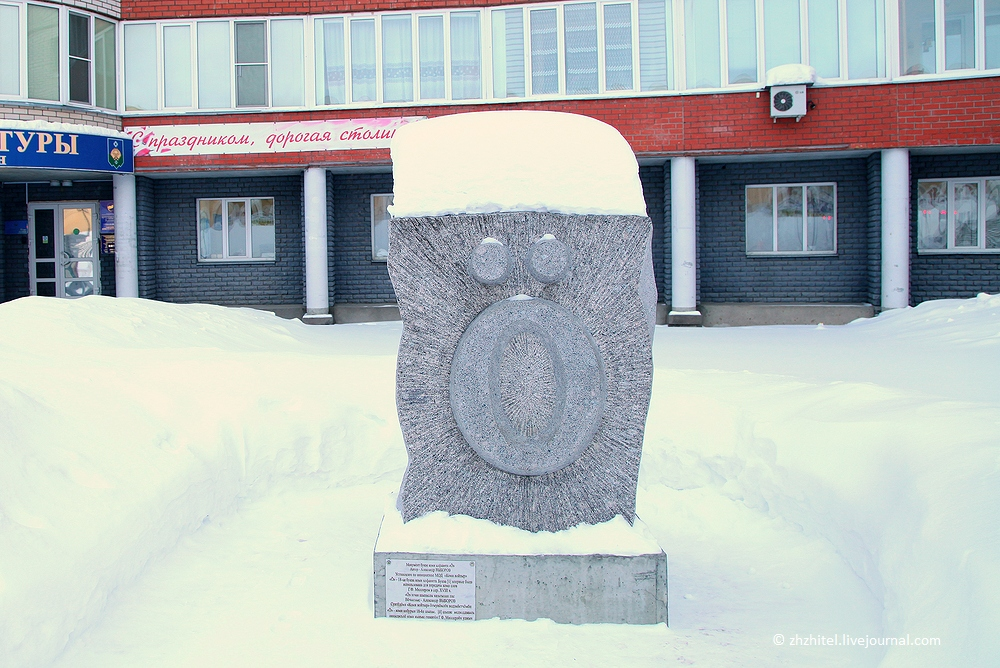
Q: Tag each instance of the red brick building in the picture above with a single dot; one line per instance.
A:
(260, 130)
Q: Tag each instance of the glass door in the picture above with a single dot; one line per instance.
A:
(63, 253)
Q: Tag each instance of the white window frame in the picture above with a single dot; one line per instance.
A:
(952, 249)
(979, 30)
(226, 259)
(64, 57)
(376, 223)
(805, 220)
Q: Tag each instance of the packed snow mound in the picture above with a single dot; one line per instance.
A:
(790, 75)
(492, 161)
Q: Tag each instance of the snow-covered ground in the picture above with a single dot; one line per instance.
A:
(200, 486)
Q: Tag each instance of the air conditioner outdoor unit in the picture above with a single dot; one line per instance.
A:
(788, 101)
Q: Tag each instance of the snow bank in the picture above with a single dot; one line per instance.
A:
(441, 533)
(513, 161)
(802, 480)
(127, 424)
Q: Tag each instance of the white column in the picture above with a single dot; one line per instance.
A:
(317, 285)
(895, 228)
(126, 246)
(683, 244)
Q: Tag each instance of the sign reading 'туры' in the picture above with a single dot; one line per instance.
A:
(430, 589)
(285, 137)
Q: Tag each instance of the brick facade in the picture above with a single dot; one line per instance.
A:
(728, 275)
(951, 275)
(845, 118)
(359, 280)
(172, 240)
(152, 9)
(10, 111)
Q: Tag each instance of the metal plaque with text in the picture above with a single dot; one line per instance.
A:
(430, 589)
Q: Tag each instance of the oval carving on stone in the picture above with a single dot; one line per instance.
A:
(528, 386)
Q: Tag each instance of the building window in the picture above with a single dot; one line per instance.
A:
(57, 55)
(944, 35)
(380, 227)
(791, 219)
(236, 229)
(10, 50)
(958, 215)
(251, 64)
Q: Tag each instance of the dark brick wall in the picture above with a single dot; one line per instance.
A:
(3, 244)
(358, 279)
(874, 169)
(16, 281)
(728, 275)
(15, 247)
(953, 275)
(145, 223)
(179, 275)
(652, 179)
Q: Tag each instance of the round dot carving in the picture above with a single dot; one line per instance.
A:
(490, 262)
(549, 260)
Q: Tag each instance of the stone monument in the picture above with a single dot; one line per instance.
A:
(521, 260)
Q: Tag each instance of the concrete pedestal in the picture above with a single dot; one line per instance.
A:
(455, 569)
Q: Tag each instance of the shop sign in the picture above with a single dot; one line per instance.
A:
(15, 227)
(106, 213)
(287, 137)
(64, 150)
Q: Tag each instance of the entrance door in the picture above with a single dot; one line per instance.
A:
(63, 250)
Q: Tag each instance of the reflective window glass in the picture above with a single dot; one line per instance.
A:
(704, 60)
(331, 75)
(214, 65)
(251, 64)
(580, 37)
(824, 38)
(959, 34)
(43, 53)
(741, 30)
(932, 214)
(105, 73)
(176, 66)
(618, 47)
(865, 39)
(917, 37)
(140, 67)
(781, 33)
(287, 63)
(544, 52)
(79, 58)
(363, 61)
(466, 55)
(655, 45)
(397, 59)
(760, 219)
(10, 51)
(508, 52)
(431, 44)
(262, 228)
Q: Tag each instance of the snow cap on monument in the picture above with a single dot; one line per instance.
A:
(497, 161)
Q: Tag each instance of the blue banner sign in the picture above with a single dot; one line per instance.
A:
(64, 150)
(106, 213)
(15, 227)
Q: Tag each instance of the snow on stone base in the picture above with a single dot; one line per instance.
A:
(441, 533)
(513, 161)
